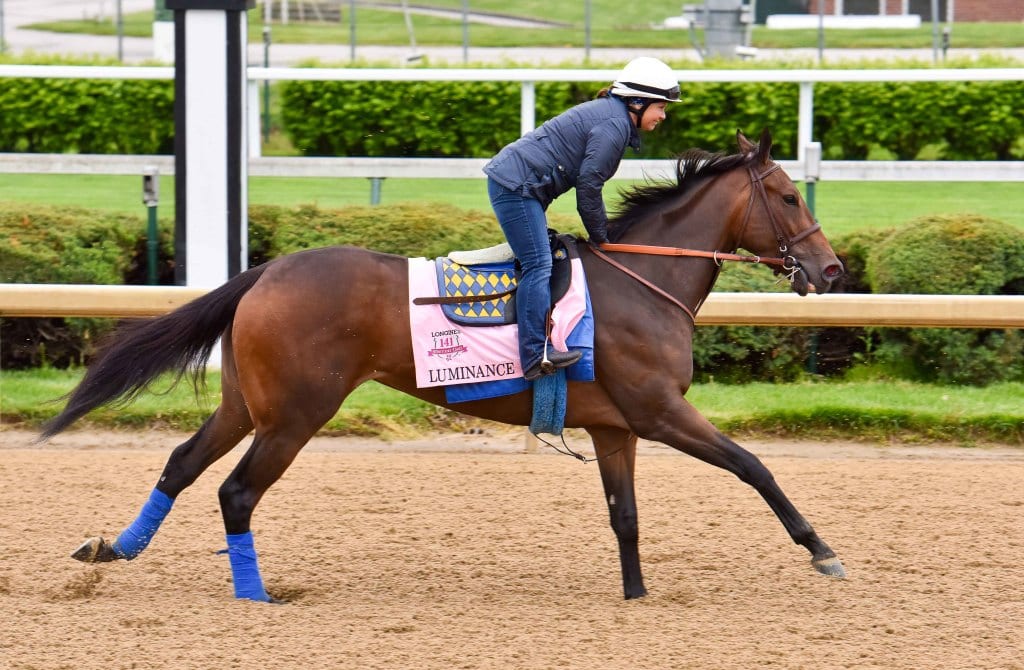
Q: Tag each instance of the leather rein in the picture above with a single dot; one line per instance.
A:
(788, 264)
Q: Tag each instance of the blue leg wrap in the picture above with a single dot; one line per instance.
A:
(245, 573)
(549, 399)
(136, 537)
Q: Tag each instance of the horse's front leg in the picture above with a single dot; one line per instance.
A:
(616, 451)
(682, 427)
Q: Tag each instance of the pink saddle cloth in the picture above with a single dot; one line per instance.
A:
(448, 353)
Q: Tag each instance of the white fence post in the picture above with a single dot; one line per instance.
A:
(253, 123)
(805, 127)
(527, 108)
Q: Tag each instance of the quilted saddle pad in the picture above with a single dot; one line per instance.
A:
(454, 280)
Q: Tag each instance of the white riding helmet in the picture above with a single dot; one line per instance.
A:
(647, 77)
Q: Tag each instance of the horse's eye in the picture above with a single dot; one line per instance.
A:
(789, 199)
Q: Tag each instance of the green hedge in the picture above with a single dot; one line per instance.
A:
(41, 244)
(54, 245)
(958, 255)
(427, 230)
(86, 115)
(399, 118)
(903, 120)
(745, 353)
(63, 245)
(956, 120)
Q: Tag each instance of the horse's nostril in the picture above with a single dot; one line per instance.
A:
(832, 271)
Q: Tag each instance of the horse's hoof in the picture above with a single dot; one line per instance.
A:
(94, 550)
(830, 567)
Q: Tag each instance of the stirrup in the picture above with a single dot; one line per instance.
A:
(561, 359)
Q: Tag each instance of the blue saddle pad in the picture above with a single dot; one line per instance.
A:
(454, 280)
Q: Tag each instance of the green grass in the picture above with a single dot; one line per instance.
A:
(872, 411)
(30, 397)
(613, 24)
(842, 207)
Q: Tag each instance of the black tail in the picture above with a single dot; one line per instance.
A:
(140, 352)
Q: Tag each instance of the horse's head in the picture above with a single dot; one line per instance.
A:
(777, 222)
(722, 203)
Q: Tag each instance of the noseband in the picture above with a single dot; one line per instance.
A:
(785, 262)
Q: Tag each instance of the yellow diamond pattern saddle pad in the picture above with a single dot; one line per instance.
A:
(491, 279)
(458, 281)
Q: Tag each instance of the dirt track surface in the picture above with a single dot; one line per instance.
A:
(466, 552)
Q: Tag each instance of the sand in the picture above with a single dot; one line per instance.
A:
(462, 551)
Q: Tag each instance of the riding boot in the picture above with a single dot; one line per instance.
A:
(554, 361)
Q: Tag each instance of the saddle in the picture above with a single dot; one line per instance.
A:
(477, 288)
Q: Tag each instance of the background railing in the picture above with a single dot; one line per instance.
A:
(343, 167)
(720, 309)
(412, 167)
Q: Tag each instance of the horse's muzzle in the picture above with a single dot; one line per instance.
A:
(801, 283)
(829, 275)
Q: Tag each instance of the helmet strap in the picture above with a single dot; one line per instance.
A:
(644, 104)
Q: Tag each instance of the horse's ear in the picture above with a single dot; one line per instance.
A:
(746, 146)
(764, 147)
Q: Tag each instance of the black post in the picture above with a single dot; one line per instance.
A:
(151, 198)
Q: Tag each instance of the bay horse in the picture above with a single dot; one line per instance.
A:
(299, 333)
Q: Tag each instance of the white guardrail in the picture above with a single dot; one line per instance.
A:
(471, 168)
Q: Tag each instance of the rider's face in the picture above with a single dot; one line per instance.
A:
(653, 115)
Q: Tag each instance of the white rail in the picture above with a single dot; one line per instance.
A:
(720, 309)
(522, 74)
(470, 168)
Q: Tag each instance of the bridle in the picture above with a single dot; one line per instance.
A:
(784, 241)
(786, 263)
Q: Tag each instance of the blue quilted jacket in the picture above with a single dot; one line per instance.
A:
(580, 148)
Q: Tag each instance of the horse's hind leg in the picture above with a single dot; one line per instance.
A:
(217, 436)
(287, 413)
(616, 451)
(689, 432)
(272, 451)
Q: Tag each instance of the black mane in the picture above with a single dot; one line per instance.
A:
(691, 166)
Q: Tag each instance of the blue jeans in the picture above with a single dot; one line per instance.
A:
(525, 226)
